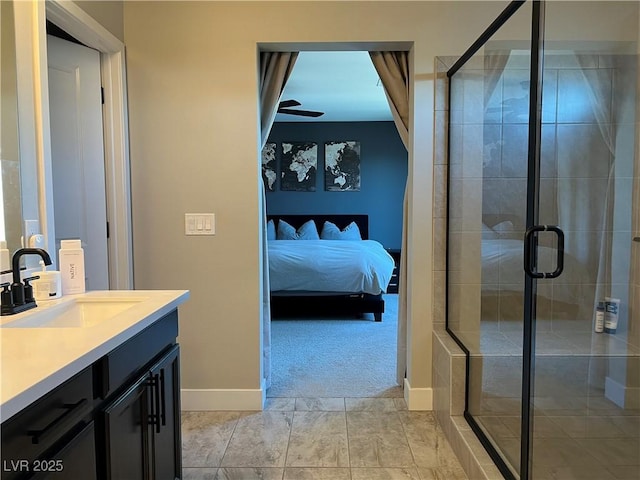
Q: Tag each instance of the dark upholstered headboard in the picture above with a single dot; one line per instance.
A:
(340, 220)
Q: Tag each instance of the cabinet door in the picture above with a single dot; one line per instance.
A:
(126, 434)
(165, 423)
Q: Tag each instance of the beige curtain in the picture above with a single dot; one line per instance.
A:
(393, 70)
(494, 65)
(275, 68)
(588, 206)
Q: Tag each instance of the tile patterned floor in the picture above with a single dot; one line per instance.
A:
(574, 447)
(318, 439)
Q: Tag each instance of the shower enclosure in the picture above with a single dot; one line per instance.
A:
(543, 220)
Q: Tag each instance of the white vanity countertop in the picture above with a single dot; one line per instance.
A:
(35, 360)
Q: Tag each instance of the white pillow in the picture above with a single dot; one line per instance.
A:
(506, 226)
(330, 231)
(271, 230)
(307, 231)
(489, 233)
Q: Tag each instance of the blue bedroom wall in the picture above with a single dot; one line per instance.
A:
(383, 175)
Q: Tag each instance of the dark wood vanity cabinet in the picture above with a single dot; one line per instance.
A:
(166, 439)
(138, 423)
(140, 428)
(44, 440)
(118, 419)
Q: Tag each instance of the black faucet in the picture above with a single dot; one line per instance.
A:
(13, 298)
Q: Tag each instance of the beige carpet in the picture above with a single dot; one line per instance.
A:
(335, 357)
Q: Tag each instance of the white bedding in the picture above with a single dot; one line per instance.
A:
(329, 266)
(503, 270)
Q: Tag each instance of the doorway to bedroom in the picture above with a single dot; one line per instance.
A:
(333, 354)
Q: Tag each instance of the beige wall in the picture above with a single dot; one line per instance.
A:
(194, 128)
(108, 13)
(193, 123)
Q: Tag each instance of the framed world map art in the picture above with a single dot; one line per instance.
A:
(342, 166)
(299, 165)
(269, 174)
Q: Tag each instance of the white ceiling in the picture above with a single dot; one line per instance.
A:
(344, 85)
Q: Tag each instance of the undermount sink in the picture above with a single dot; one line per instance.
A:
(78, 313)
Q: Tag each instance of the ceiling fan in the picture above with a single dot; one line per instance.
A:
(283, 107)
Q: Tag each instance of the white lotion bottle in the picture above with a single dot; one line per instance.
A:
(611, 310)
(599, 327)
(71, 258)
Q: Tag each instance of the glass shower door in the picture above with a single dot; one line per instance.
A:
(586, 402)
(543, 247)
(487, 201)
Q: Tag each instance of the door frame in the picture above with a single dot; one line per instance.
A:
(76, 22)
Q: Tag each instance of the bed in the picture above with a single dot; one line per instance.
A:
(319, 276)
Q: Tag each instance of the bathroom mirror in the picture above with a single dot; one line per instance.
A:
(10, 192)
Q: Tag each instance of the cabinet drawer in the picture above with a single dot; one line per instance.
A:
(74, 460)
(45, 422)
(125, 362)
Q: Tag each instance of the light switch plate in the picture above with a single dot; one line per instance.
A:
(199, 224)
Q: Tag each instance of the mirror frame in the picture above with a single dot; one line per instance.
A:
(35, 142)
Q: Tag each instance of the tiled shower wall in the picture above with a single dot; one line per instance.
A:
(442, 369)
(440, 191)
(576, 156)
(585, 117)
(448, 359)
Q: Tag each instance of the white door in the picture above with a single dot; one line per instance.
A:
(75, 106)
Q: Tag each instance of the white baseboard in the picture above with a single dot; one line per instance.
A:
(222, 399)
(418, 398)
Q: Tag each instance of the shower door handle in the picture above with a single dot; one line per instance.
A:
(531, 250)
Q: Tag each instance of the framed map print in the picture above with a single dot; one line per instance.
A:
(299, 165)
(269, 174)
(342, 166)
